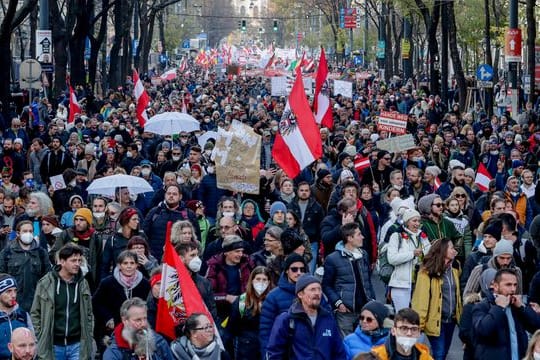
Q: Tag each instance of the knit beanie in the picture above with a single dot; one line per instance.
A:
(322, 173)
(291, 259)
(503, 247)
(51, 219)
(378, 309)
(494, 229)
(290, 241)
(345, 174)
(75, 197)
(85, 213)
(409, 214)
(425, 202)
(304, 281)
(7, 282)
(469, 172)
(232, 242)
(433, 170)
(277, 206)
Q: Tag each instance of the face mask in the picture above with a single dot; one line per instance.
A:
(125, 116)
(210, 169)
(176, 158)
(73, 183)
(122, 127)
(228, 213)
(27, 238)
(260, 287)
(132, 197)
(405, 342)
(60, 128)
(207, 152)
(129, 154)
(183, 141)
(508, 142)
(99, 215)
(536, 355)
(180, 180)
(274, 128)
(207, 120)
(195, 264)
(145, 172)
(139, 147)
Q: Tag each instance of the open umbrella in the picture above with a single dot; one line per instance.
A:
(169, 123)
(169, 75)
(108, 185)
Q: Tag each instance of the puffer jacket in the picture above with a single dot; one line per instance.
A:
(120, 349)
(387, 350)
(339, 281)
(42, 314)
(359, 342)
(8, 322)
(402, 256)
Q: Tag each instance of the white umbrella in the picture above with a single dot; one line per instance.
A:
(169, 123)
(108, 185)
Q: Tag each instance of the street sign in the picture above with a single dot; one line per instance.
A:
(512, 45)
(381, 45)
(30, 70)
(484, 84)
(30, 85)
(185, 44)
(527, 84)
(484, 73)
(44, 46)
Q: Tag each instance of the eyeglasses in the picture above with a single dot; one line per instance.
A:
(297, 269)
(438, 204)
(269, 239)
(225, 227)
(367, 319)
(405, 329)
(176, 153)
(184, 136)
(205, 328)
(461, 195)
(387, 158)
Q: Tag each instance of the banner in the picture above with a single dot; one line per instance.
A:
(344, 88)
(237, 155)
(397, 143)
(393, 122)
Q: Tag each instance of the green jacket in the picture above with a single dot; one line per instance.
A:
(444, 229)
(42, 314)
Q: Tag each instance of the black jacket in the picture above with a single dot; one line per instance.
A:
(313, 218)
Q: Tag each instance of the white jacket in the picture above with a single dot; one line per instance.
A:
(402, 257)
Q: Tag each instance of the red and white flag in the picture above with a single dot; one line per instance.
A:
(298, 142)
(74, 107)
(437, 183)
(483, 177)
(178, 295)
(361, 163)
(142, 99)
(321, 99)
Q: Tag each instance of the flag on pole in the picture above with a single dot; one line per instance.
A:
(321, 98)
(74, 107)
(361, 163)
(178, 295)
(298, 142)
(437, 183)
(142, 99)
(483, 177)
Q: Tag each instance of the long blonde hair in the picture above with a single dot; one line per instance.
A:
(529, 355)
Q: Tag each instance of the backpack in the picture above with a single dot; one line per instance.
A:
(384, 268)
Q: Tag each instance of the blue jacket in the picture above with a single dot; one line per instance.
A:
(209, 194)
(359, 342)
(319, 342)
(277, 301)
(339, 280)
(9, 322)
(120, 350)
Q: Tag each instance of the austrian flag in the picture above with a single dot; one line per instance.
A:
(483, 177)
(361, 163)
(74, 107)
(142, 99)
(298, 142)
(321, 99)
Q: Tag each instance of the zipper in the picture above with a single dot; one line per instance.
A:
(67, 313)
(354, 290)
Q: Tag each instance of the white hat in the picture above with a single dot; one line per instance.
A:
(409, 214)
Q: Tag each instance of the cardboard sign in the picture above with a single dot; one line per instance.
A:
(343, 87)
(393, 122)
(397, 143)
(58, 182)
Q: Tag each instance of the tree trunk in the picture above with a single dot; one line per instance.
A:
(148, 43)
(96, 43)
(444, 53)
(58, 27)
(433, 49)
(531, 39)
(489, 57)
(456, 58)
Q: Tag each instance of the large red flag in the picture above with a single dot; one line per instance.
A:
(321, 99)
(298, 142)
(178, 296)
(483, 177)
(142, 99)
(74, 107)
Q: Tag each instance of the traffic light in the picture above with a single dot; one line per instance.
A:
(239, 25)
(243, 25)
(275, 25)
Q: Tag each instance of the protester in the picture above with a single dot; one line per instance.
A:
(22, 345)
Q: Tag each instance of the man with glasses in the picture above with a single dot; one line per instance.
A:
(175, 162)
(457, 179)
(434, 224)
(379, 174)
(346, 279)
(403, 340)
(314, 333)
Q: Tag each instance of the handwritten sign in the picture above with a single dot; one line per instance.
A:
(397, 143)
(343, 87)
(393, 122)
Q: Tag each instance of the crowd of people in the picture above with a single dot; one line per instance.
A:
(289, 272)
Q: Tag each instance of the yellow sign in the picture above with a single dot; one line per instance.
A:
(405, 49)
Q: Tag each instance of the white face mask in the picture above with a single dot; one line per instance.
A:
(260, 287)
(536, 355)
(146, 172)
(99, 215)
(132, 197)
(274, 128)
(27, 238)
(129, 154)
(73, 183)
(176, 158)
(195, 264)
(210, 169)
(180, 180)
(228, 214)
(122, 127)
(406, 342)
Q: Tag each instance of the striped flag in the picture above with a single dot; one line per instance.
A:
(361, 163)
(437, 183)
(142, 99)
(483, 177)
(321, 98)
(74, 107)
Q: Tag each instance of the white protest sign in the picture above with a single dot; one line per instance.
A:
(58, 182)
(279, 86)
(393, 122)
(343, 87)
(397, 143)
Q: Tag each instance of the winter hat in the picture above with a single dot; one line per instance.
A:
(433, 170)
(89, 149)
(51, 219)
(125, 215)
(193, 205)
(345, 173)
(425, 202)
(155, 279)
(277, 206)
(503, 247)
(304, 281)
(291, 259)
(350, 150)
(343, 156)
(232, 242)
(7, 282)
(470, 172)
(75, 197)
(378, 309)
(455, 163)
(290, 241)
(85, 213)
(486, 278)
(322, 173)
(396, 205)
(494, 229)
(409, 214)
(516, 163)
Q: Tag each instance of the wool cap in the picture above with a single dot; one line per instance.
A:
(232, 242)
(409, 214)
(378, 309)
(85, 213)
(277, 206)
(304, 281)
(425, 202)
(503, 247)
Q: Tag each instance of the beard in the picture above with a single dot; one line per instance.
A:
(142, 341)
(459, 183)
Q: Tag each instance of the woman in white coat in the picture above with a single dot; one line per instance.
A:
(406, 249)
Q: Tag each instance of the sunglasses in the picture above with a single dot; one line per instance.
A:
(461, 195)
(176, 153)
(296, 269)
(367, 319)
(438, 204)
(206, 328)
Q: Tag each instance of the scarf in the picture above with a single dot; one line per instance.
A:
(128, 282)
(85, 235)
(209, 352)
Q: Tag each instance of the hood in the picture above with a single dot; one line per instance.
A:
(284, 284)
